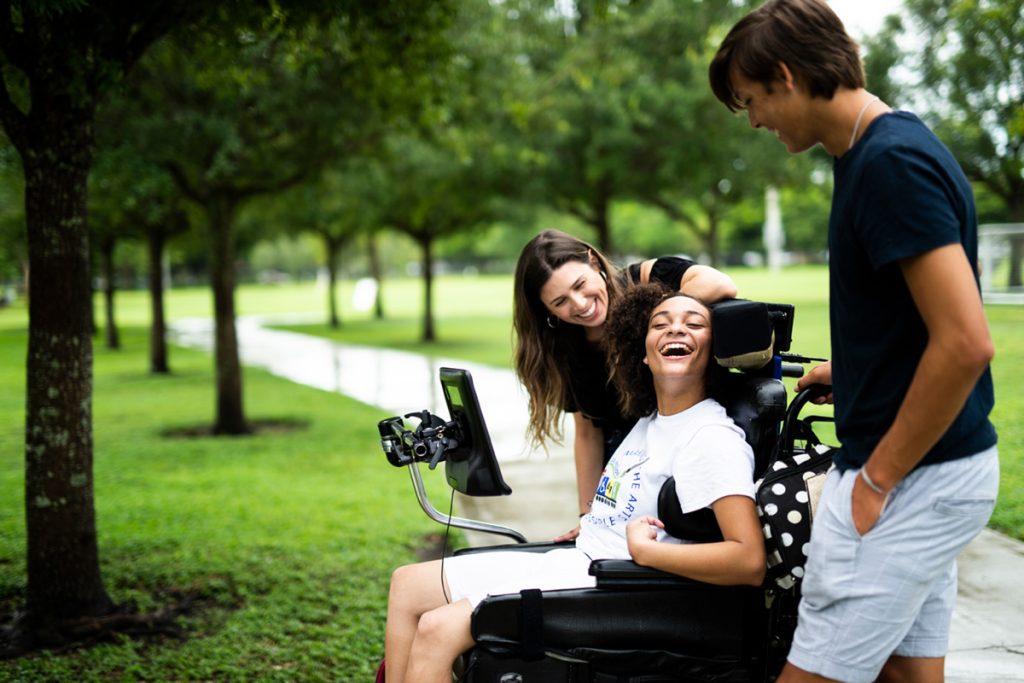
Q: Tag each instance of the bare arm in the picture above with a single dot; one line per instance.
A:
(588, 453)
(959, 349)
(819, 374)
(736, 560)
(703, 282)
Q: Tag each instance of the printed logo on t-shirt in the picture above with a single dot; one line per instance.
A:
(615, 471)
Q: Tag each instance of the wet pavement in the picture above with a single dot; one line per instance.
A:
(987, 641)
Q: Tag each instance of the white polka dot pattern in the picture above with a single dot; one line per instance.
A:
(785, 500)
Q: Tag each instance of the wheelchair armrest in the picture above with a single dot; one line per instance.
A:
(626, 574)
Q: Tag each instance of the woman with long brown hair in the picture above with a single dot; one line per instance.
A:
(564, 288)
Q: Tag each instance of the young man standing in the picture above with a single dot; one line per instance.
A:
(918, 473)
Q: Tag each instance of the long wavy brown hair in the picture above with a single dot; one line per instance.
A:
(625, 339)
(542, 352)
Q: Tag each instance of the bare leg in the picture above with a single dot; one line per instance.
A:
(443, 634)
(794, 674)
(913, 670)
(415, 590)
(896, 670)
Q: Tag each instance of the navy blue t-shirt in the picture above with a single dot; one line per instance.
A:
(898, 193)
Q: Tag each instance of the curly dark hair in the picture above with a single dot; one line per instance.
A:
(626, 335)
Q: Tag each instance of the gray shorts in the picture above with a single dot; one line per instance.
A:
(891, 591)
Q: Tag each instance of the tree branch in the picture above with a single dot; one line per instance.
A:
(12, 43)
(14, 120)
(163, 16)
(184, 184)
(574, 210)
(251, 189)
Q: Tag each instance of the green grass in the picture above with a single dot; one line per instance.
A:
(288, 539)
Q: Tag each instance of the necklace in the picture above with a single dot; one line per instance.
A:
(856, 124)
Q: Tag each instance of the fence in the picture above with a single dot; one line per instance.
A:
(1000, 257)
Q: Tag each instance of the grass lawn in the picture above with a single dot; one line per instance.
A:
(286, 540)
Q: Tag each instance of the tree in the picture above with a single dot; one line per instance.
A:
(973, 58)
(56, 60)
(130, 198)
(264, 107)
(431, 191)
(689, 158)
(336, 206)
(581, 126)
(453, 169)
(626, 114)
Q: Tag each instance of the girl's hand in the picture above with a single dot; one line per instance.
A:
(568, 535)
(641, 532)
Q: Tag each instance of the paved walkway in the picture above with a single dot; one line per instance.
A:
(987, 644)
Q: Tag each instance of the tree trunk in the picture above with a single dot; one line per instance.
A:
(158, 325)
(230, 415)
(63, 558)
(332, 247)
(1016, 215)
(377, 273)
(1016, 257)
(602, 223)
(711, 238)
(426, 243)
(111, 335)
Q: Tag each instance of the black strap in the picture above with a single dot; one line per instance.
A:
(531, 624)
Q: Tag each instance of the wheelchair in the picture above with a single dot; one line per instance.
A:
(637, 625)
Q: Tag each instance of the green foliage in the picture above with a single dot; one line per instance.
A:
(882, 54)
(972, 58)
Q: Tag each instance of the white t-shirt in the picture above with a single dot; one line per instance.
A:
(701, 447)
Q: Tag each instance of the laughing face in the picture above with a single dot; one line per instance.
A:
(577, 294)
(678, 338)
(778, 109)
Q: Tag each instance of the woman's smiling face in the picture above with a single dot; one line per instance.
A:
(679, 338)
(576, 293)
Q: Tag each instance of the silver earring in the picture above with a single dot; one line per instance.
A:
(552, 321)
(604, 275)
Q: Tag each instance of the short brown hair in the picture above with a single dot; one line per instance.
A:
(805, 35)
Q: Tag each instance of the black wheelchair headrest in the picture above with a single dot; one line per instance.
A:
(748, 333)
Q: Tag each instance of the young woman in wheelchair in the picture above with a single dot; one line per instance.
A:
(660, 350)
(563, 290)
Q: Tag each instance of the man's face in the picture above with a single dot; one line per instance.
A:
(782, 110)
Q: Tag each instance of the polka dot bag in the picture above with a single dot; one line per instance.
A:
(787, 496)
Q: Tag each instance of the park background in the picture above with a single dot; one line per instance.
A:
(275, 159)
